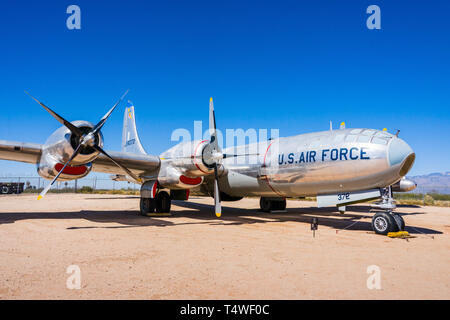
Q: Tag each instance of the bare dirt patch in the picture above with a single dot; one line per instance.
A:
(245, 254)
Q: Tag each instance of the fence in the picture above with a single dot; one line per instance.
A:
(96, 183)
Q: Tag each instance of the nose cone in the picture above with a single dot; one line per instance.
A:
(400, 152)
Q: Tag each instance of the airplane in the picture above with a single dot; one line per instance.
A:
(340, 167)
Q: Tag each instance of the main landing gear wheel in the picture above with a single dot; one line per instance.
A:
(268, 205)
(147, 206)
(383, 223)
(160, 204)
(163, 202)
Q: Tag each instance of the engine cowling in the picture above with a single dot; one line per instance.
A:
(60, 146)
(404, 185)
(170, 177)
(48, 168)
(189, 156)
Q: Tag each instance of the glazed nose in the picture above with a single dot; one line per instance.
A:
(400, 152)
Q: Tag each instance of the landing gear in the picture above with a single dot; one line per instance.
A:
(387, 221)
(147, 206)
(272, 204)
(161, 204)
(383, 223)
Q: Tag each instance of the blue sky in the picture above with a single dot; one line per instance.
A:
(293, 65)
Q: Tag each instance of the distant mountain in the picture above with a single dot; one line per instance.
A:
(432, 182)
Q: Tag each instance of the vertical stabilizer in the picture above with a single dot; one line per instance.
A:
(130, 138)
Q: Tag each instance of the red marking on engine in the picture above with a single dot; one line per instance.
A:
(195, 153)
(187, 194)
(74, 171)
(155, 187)
(190, 181)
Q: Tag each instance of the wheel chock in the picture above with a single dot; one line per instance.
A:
(399, 234)
(158, 214)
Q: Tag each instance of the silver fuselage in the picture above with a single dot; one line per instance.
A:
(317, 163)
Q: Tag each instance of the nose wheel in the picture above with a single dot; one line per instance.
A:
(387, 221)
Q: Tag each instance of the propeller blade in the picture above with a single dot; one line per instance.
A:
(42, 194)
(131, 174)
(102, 121)
(229, 155)
(215, 145)
(217, 205)
(63, 121)
(212, 124)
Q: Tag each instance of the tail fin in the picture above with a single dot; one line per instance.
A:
(130, 138)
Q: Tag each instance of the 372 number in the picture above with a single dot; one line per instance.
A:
(343, 196)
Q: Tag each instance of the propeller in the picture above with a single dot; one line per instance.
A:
(85, 140)
(216, 156)
(213, 156)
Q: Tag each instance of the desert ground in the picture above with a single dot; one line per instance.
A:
(245, 254)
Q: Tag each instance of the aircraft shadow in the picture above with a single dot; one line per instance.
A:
(203, 214)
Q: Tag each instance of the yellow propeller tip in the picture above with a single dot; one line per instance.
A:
(39, 197)
(342, 123)
(210, 99)
(218, 214)
(384, 129)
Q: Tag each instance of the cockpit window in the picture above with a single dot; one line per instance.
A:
(368, 132)
(383, 134)
(350, 138)
(362, 138)
(378, 140)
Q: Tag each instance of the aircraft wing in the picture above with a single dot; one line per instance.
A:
(138, 163)
(31, 153)
(19, 151)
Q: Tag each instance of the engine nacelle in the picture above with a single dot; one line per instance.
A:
(189, 157)
(404, 185)
(58, 149)
(170, 177)
(48, 168)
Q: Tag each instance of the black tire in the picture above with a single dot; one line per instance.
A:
(5, 190)
(163, 202)
(265, 204)
(269, 205)
(399, 221)
(147, 206)
(383, 223)
(279, 205)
